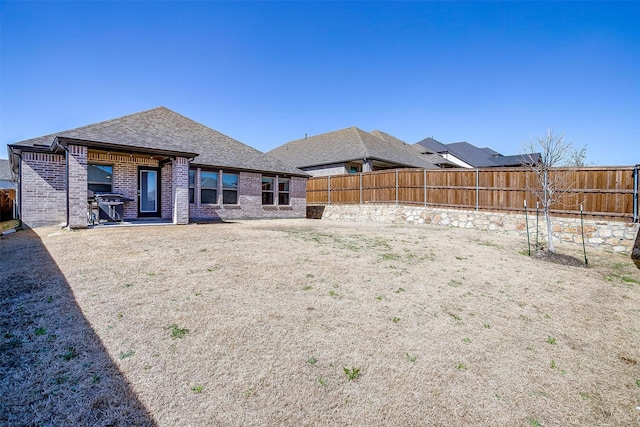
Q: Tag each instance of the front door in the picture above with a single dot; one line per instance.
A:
(148, 192)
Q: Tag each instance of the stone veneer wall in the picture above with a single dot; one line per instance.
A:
(250, 201)
(612, 235)
(43, 191)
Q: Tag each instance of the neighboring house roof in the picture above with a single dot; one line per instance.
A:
(471, 154)
(432, 146)
(349, 144)
(438, 160)
(165, 130)
(5, 170)
(490, 151)
(517, 159)
(6, 177)
(474, 156)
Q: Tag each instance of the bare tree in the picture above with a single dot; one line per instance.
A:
(578, 158)
(548, 152)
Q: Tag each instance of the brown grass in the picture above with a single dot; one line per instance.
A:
(253, 323)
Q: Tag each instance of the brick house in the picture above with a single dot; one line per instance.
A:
(350, 150)
(163, 164)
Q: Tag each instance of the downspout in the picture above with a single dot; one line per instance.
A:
(19, 193)
(635, 193)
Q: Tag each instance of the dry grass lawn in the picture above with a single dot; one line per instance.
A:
(308, 322)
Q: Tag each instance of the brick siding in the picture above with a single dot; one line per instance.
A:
(180, 190)
(125, 177)
(43, 191)
(77, 193)
(250, 201)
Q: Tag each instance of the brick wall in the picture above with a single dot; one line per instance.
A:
(125, 177)
(166, 187)
(180, 190)
(77, 182)
(250, 201)
(43, 190)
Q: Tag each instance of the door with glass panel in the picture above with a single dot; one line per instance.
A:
(148, 192)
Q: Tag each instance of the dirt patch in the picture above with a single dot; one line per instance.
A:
(306, 322)
(557, 258)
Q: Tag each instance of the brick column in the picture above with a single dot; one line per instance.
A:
(367, 165)
(77, 186)
(180, 190)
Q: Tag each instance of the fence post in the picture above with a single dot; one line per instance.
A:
(425, 187)
(361, 188)
(396, 187)
(328, 190)
(477, 187)
(636, 169)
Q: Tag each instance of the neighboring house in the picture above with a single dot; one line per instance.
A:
(7, 192)
(163, 164)
(349, 150)
(467, 155)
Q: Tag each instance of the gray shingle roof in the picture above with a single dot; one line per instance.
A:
(432, 146)
(349, 144)
(469, 153)
(163, 129)
(6, 178)
(5, 170)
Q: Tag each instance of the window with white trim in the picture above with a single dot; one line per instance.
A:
(268, 190)
(283, 191)
(192, 186)
(230, 188)
(208, 187)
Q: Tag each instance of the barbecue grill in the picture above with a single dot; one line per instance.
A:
(110, 206)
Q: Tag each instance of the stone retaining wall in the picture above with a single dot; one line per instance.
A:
(611, 235)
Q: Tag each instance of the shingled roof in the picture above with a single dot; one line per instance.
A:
(472, 155)
(430, 145)
(346, 145)
(5, 170)
(165, 130)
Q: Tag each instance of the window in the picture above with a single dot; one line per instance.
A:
(230, 188)
(267, 191)
(192, 186)
(283, 191)
(100, 178)
(208, 187)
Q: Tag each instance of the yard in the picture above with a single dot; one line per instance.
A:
(308, 322)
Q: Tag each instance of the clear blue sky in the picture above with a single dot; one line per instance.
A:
(494, 74)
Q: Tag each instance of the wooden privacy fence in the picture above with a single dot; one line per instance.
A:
(7, 200)
(603, 192)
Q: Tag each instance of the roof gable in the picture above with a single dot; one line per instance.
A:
(163, 129)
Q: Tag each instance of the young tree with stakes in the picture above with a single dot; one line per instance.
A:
(550, 185)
